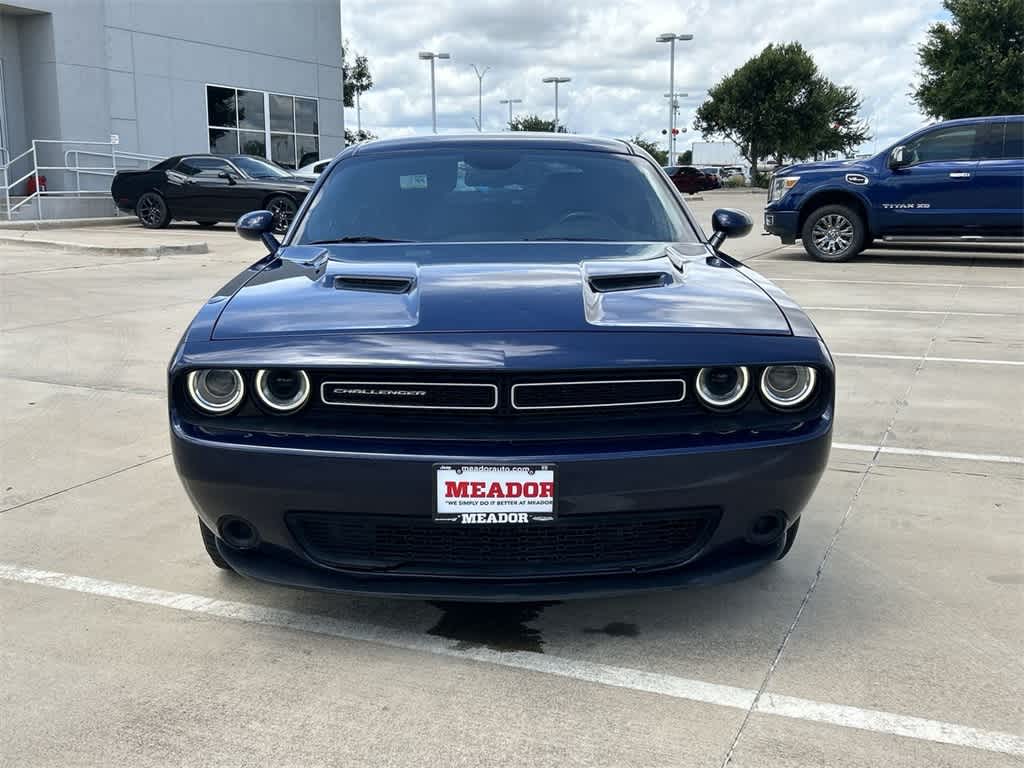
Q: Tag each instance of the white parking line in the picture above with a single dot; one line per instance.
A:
(911, 311)
(888, 282)
(930, 359)
(992, 458)
(602, 674)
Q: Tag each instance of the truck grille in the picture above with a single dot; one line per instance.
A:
(576, 544)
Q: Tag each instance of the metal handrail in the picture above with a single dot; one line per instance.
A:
(72, 154)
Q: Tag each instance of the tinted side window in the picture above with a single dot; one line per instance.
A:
(944, 144)
(1013, 141)
(194, 165)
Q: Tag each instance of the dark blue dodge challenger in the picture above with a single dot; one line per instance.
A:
(499, 368)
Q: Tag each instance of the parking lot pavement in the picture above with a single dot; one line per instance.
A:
(891, 635)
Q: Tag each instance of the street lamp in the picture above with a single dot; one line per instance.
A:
(430, 56)
(510, 102)
(480, 97)
(670, 38)
(556, 81)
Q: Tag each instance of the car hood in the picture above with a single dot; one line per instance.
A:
(498, 287)
(825, 166)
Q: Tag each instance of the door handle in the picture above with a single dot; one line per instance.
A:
(960, 175)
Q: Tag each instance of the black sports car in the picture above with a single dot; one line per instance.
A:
(209, 189)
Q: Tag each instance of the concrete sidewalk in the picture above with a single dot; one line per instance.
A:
(109, 240)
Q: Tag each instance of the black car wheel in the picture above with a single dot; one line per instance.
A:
(207, 224)
(834, 233)
(283, 209)
(210, 542)
(790, 539)
(152, 211)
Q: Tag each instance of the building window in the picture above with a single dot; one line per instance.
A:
(276, 126)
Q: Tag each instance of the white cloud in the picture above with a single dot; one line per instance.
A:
(619, 72)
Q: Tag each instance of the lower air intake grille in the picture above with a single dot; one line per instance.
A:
(619, 542)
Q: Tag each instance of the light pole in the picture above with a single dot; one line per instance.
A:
(556, 81)
(510, 102)
(341, 40)
(670, 38)
(480, 97)
(672, 131)
(430, 56)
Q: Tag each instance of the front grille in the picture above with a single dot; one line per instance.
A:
(577, 544)
(411, 394)
(597, 394)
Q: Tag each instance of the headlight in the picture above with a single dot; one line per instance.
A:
(722, 387)
(788, 386)
(217, 390)
(282, 389)
(781, 185)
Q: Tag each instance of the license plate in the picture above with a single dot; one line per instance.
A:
(495, 495)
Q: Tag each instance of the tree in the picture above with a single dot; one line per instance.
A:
(357, 137)
(779, 105)
(534, 123)
(686, 158)
(357, 76)
(974, 65)
(650, 147)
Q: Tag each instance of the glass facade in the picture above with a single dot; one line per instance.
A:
(279, 127)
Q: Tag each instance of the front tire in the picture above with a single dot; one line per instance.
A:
(834, 233)
(152, 211)
(283, 209)
(210, 543)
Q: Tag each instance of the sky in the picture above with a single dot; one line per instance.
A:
(619, 73)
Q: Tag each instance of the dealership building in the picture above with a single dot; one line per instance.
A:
(109, 83)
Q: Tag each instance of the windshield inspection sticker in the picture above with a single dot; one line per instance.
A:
(477, 495)
(413, 181)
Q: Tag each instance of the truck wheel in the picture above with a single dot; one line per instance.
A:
(790, 539)
(834, 233)
(210, 542)
(152, 211)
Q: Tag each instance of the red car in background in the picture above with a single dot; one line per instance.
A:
(689, 179)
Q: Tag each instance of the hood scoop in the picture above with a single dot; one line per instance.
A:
(374, 283)
(629, 281)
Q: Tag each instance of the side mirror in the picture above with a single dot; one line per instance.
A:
(258, 225)
(728, 222)
(227, 175)
(897, 158)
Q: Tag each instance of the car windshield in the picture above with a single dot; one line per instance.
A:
(260, 169)
(495, 195)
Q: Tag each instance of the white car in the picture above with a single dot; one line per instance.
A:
(313, 170)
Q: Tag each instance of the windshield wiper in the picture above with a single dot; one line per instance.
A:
(360, 239)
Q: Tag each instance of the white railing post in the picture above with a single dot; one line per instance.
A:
(35, 173)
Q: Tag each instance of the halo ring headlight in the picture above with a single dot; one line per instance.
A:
(282, 390)
(722, 386)
(216, 390)
(788, 386)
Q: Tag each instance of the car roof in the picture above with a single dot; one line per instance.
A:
(508, 140)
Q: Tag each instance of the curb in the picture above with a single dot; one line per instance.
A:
(105, 250)
(103, 221)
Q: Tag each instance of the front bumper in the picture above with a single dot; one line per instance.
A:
(784, 224)
(262, 485)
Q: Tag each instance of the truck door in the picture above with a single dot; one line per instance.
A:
(933, 193)
(999, 181)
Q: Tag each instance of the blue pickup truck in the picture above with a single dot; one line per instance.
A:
(961, 180)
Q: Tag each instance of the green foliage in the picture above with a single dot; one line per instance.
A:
(650, 147)
(735, 181)
(974, 65)
(534, 123)
(779, 105)
(357, 76)
(353, 137)
(686, 158)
